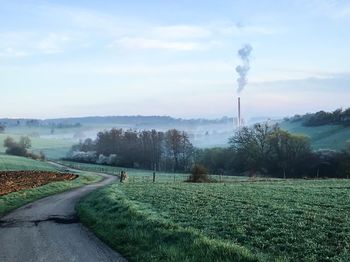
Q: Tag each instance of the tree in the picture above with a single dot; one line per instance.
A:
(179, 149)
(270, 150)
(2, 128)
(289, 152)
(252, 146)
(173, 141)
(17, 148)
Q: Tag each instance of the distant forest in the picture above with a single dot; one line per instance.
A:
(126, 120)
(337, 117)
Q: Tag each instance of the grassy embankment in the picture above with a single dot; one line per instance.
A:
(17, 199)
(267, 221)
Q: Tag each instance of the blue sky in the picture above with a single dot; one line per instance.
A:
(178, 58)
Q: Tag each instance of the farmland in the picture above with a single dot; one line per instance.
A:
(146, 176)
(14, 200)
(14, 181)
(15, 163)
(294, 220)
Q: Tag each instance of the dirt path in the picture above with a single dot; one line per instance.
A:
(48, 230)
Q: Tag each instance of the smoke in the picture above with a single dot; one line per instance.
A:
(242, 70)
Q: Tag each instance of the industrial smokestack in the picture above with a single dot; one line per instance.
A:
(242, 70)
(239, 112)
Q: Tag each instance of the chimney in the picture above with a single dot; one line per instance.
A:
(239, 112)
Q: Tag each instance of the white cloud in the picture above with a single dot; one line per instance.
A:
(335, 9)
(53, 43)
(182, 31)
(240, 30)
(11, 52)
(152, 43)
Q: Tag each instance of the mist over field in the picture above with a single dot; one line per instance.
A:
(179, 130)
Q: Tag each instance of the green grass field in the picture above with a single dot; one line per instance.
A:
(135, 175)
(52, 148)
(322, 137)
(17, 199)
(146, 176)
(15, 163)
(300, 220)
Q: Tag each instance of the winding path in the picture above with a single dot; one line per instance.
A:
(49, 230)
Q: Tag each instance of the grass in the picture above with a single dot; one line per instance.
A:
(327, 136)
(267, 221)
(15, 163)
(14, 200)
(135, 175)
(141, 235)
(146, 176)
(52, 148)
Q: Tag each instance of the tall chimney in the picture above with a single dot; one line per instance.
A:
(239, 112)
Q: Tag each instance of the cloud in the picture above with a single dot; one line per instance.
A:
(182, 31)
(243, 30)
(30, 43)
(53, 43)
(335, 9)
(11, 52)
(152, 43)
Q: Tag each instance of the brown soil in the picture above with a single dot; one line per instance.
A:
(13, 181)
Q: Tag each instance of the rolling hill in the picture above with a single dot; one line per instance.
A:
(335, 137)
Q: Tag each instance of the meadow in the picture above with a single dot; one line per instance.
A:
(293, 220)
(334, 137)
(52, 148)
(146, 176)
(15, 163)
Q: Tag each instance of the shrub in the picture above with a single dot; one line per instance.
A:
(17, 148)
(199, 174)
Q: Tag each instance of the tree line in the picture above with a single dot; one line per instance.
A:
(149, 149)
(268, 150)
(337, 117)
(264, 150)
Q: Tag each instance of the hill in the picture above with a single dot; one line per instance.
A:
(325, 136)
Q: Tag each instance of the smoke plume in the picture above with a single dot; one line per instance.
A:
(242, 70)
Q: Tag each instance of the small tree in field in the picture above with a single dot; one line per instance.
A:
(199, 174)
(17, 148)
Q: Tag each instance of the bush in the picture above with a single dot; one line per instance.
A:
(199, 174)
(84, 157)
(17, 148)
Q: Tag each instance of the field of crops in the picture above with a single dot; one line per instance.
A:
(14, 200)
(282, 220)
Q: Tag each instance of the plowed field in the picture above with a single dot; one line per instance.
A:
(13, 181)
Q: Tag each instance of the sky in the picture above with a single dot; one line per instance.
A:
(178, 58)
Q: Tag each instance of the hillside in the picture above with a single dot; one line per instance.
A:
(53, 148)
(325, 136)
(15, 163)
